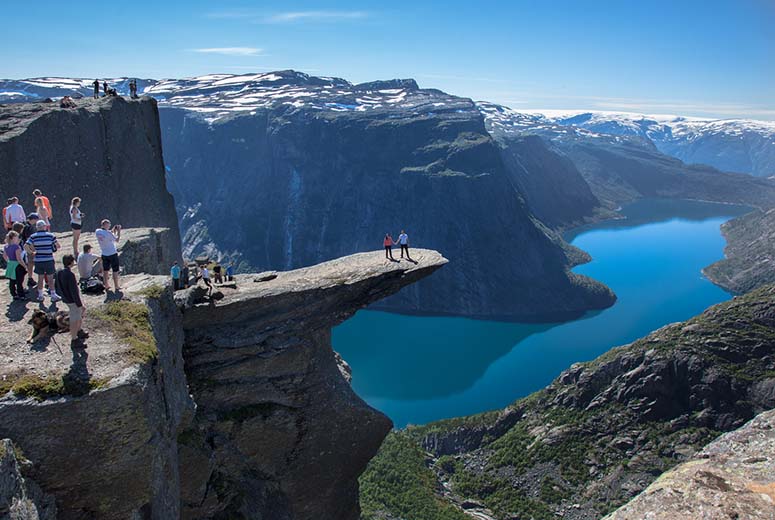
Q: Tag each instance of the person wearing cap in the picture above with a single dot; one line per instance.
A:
(44, 244)
(108, 239)
(13, 213)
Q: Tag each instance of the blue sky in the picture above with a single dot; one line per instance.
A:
(707, 58)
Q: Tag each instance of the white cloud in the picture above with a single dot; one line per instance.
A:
(315, 16)
(231, 51)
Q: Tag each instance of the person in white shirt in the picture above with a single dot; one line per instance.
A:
(108, 238)
(403, 241)
(14, 213)
(89, 264)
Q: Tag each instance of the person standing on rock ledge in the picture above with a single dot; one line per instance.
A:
(96, 85)
(76, 220)
(403, 241)
(108, 238)
(71, 295)
(44, 244)
(175, 275)
(389, 243)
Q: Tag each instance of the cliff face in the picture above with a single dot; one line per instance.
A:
(290, 186)
(106, 151)
(732, 477)
(602, 431)
(750, 253)
(278, 431)
(225, 407)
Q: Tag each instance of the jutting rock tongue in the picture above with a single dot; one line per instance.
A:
(278, 431)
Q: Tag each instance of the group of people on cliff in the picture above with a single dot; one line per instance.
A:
(183, 277)
(29, 253)
(107, 90)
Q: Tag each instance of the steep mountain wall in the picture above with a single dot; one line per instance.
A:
(599, 434)
(290, 186)
(106, 151)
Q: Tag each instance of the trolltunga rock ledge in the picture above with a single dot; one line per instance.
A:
(321, 295)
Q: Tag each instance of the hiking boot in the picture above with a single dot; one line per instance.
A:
(82, 334)
(55, 298)
(77, 344)
(40, 297)
(31, 283)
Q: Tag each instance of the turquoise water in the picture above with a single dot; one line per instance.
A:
(418, 369)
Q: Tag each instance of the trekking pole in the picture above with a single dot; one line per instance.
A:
(57, 344)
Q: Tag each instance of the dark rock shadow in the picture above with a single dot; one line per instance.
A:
(77, 379)
(17, 310)
(111, 296)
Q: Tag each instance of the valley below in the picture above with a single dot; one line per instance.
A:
(430, 368)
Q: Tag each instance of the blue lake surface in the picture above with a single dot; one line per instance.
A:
(418, 369)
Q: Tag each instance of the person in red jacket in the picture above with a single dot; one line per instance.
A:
(389, 243)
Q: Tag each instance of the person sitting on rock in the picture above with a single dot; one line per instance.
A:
(389, 243)
(67, 102)
(71, 295)
(89, 264)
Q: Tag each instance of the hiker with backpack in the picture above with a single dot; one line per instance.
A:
(71, 295)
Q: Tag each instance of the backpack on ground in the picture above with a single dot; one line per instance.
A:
(93, 286)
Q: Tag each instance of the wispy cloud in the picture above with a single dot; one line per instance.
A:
(315, 16)
(231, 51)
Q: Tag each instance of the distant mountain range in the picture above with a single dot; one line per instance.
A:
(736, 145)
(279, 170)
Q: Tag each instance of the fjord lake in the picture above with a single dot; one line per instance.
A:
(418, 369)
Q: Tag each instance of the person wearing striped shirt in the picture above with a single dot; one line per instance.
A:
(44, 244)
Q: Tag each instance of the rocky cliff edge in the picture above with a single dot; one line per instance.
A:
(229, 405)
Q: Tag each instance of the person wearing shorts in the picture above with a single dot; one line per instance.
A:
(44, 244)
(108, 240)
(71, 295)
(76, 221)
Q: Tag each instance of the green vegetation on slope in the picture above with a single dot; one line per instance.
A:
(130, 321)
(603, 430)
(398, 482)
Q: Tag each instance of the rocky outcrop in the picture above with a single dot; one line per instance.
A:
(222, 405)
(20, 497)
(732, 477)
(100, 426)
(604, 430)
(278, 431)
(106, 151)
(750, 253)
